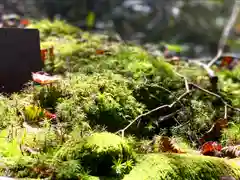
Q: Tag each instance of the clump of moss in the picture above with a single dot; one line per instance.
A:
(100, 99)
(56, 28)
(99, 153)
(231, 135)
(108, 90)
(180, 167)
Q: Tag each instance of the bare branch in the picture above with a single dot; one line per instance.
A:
(163, 118)
(158, 108)
(216, 95)
(225, 33)
(153, 110)
(185, 80)
(206, 91)
(122, 131)
(210, 72)
(225, 112)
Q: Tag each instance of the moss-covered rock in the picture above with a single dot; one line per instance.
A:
(102, 149)
(110, 89)
(182, 167)
(99, 152)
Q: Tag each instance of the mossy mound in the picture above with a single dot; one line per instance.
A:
(98, 153)
(102, 149)
(106, 85)
(55, 29)
(182, 167)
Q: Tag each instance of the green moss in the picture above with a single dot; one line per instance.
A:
(101, 99)
(102, 149)
(8, 110)
(9, 146)
(56, 28)
(110, 90)
(231, 135)
(98, 152)
(70, 170)
(181, 167)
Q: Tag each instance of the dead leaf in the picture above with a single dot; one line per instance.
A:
(167, 145)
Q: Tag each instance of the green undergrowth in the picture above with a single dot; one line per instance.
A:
(231, 135)
(104, 86)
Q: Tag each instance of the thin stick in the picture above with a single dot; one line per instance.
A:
(216, 95)
(156, 109)
(226, 32)
(225, 112)
(177, 100)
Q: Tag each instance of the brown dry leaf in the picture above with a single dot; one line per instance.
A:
(167, 145)
(100, 51)
(103, 51)
(43, 171)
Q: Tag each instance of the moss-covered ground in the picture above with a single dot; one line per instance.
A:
(104, 86)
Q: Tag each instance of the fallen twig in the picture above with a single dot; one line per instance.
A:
(27, 149)
(216, 95)
(177, 100)
(158, 108)
(163, 118)
(185, 80)
(225, 112)
(211, 74)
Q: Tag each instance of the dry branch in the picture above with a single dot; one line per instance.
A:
(187, 85)
(226, 32)
(216, 95)
(158, 108)
(163, 118)
(206, 67)
(225, 112)
(153, 110)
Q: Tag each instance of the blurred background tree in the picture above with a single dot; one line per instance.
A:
(193, 22)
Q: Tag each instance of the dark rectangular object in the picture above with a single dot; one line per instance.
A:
(19, 56)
